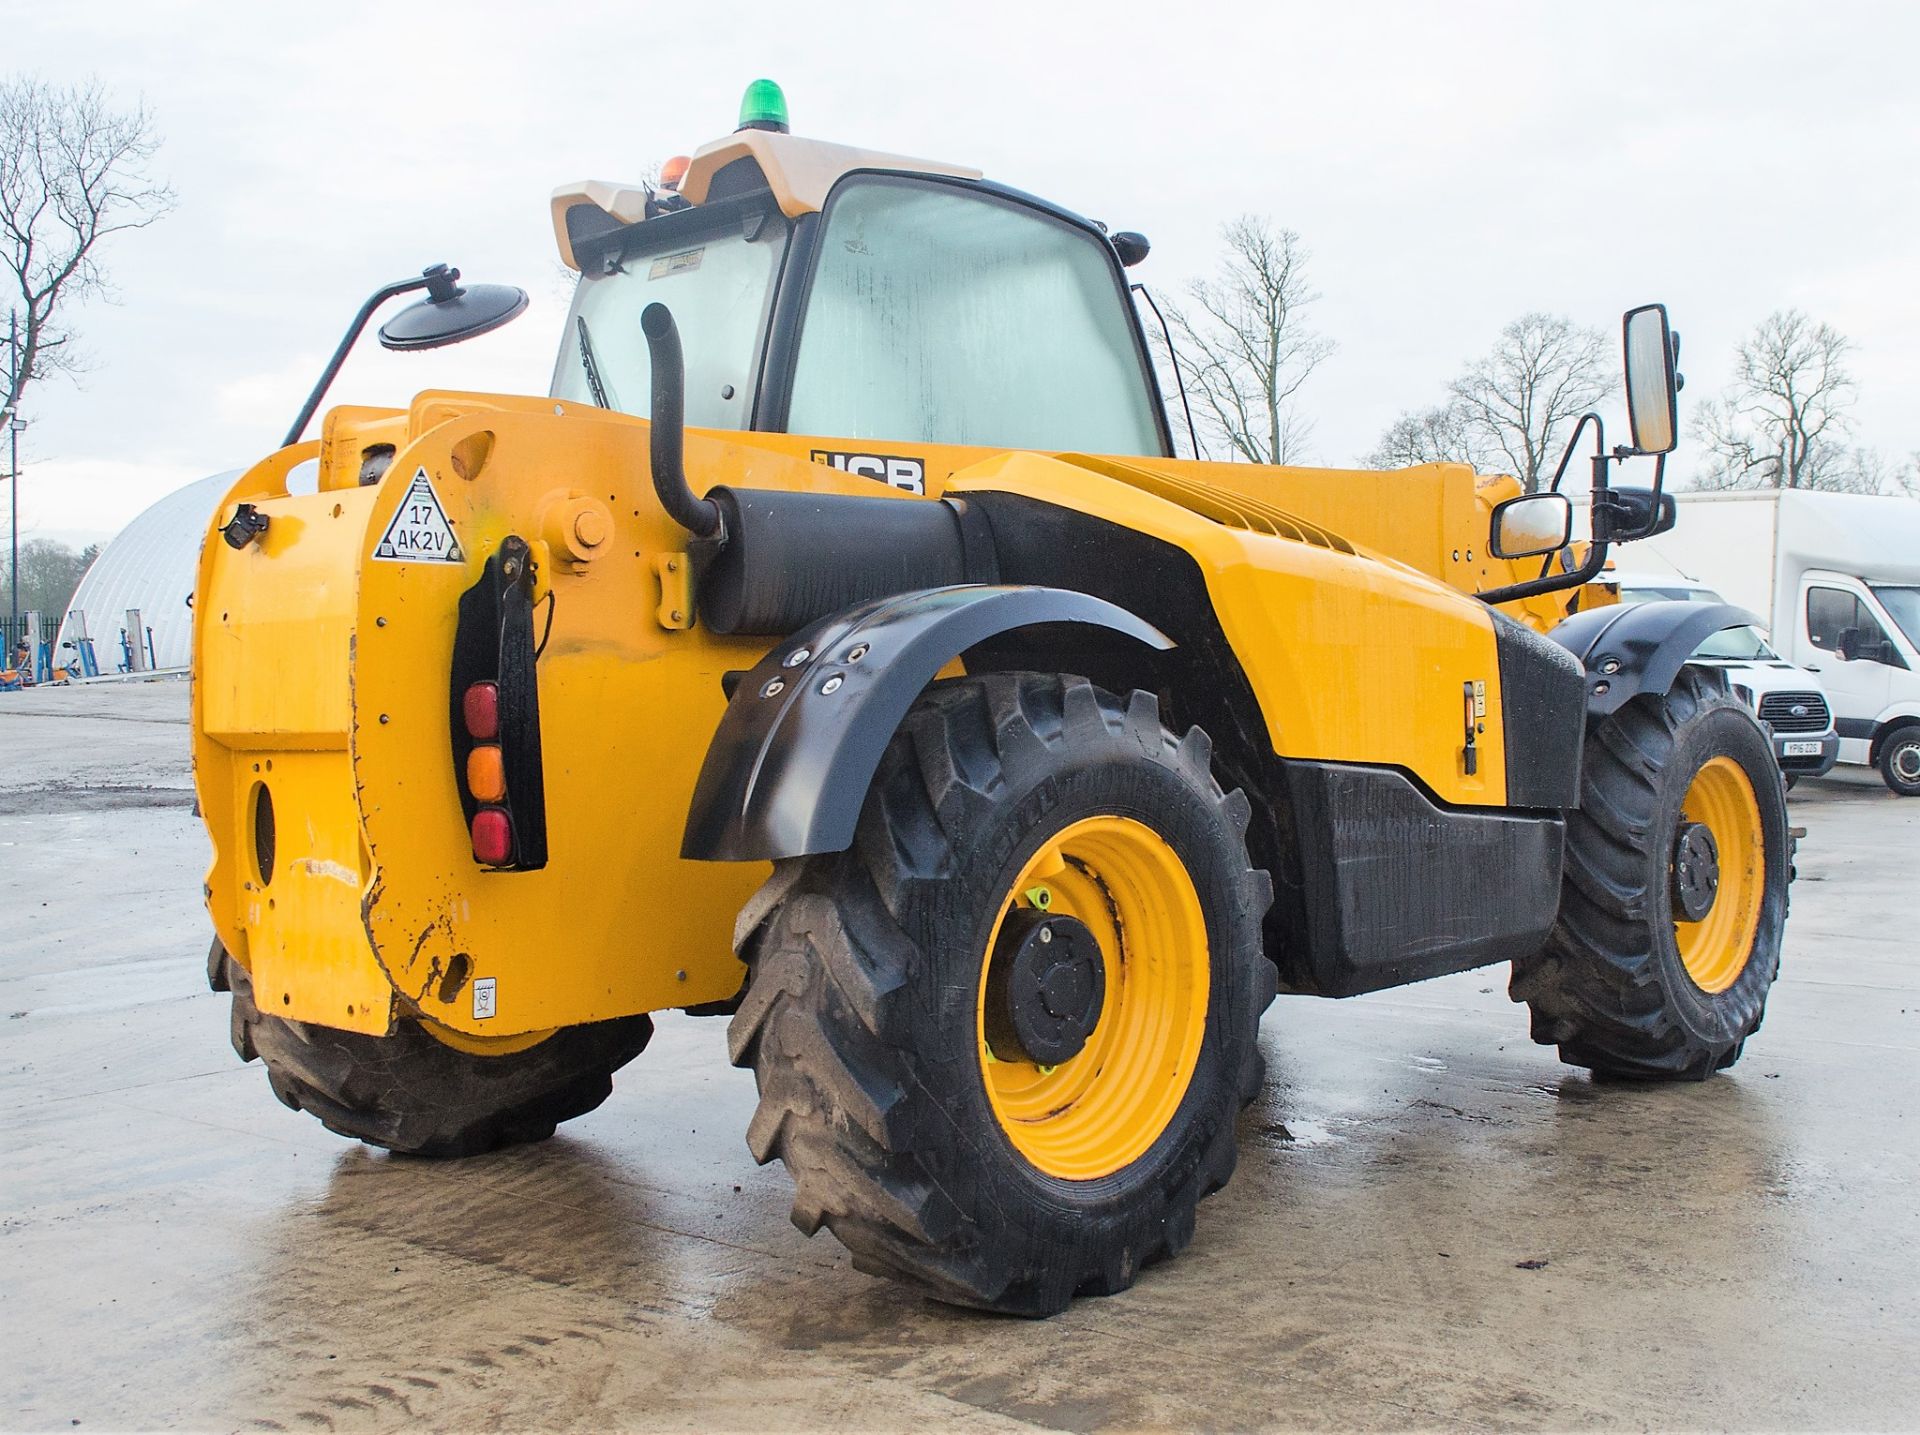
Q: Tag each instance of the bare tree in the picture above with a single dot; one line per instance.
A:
(71, 174)
(1245, 344)
(1515, 404)
(1436, 435)
(1782, 422)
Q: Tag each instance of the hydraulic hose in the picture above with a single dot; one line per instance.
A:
(699, 516)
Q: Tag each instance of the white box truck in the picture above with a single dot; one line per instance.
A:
(1836, 579)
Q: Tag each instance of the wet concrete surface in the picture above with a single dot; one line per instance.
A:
(1434, 1223)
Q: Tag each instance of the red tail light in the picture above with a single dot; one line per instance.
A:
(481, 708)
(492, 837)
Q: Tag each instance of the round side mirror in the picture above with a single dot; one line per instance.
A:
(452, 312)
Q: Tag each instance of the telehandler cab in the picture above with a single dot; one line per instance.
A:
(840, 648)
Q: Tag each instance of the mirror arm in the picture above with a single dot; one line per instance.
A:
(1597, 550)
(1573, 442)
(379, 296)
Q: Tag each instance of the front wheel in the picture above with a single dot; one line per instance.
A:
(1001, 1043)
(1900, 762)
(1675, 893)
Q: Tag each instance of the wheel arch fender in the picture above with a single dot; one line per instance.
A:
(1887, 726)
(790, 764)
(1640, 648)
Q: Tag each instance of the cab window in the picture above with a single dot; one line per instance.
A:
(948, 315)
(1832, 612)
(715, 273)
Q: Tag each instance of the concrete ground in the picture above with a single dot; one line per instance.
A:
(1434, 1223)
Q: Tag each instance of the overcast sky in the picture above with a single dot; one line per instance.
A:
(1450, 166)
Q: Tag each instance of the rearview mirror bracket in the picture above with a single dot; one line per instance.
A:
(1628, 514)
(492, 306)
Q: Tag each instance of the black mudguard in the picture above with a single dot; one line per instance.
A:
(1630, 649)
(789, 767)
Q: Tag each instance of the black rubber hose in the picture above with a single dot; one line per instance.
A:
(699, 516)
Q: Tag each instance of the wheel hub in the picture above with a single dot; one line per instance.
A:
(1696, 871)
(1045, 988)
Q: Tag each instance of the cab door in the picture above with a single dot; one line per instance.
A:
(1833, 617)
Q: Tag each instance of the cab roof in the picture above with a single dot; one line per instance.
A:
(800, 173)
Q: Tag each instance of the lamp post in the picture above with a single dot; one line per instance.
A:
(14, 424)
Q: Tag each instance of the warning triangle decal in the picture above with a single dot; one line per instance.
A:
(419, 532)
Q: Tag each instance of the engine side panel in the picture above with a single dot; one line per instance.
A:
(1349, 659)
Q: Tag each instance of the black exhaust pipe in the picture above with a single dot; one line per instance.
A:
(699, 516)
(770, 561)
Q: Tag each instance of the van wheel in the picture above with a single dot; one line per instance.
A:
(1900, 762)
(1675, 891)
(414, 1092)
(1001, 1042)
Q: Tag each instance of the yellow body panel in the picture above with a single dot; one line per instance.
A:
(1352, 659)
(272, 710)
(322, 675)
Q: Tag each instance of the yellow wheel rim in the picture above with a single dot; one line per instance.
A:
(1101, 1110)
(484, 1045)
(1715, 949)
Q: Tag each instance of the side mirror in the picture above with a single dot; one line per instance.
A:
(1532, 524)
(1653, 412)
(1634, 513)
(451, 312)
(447, 315)
(1849, 645)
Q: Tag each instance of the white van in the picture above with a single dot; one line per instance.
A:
(1837, 578)
(1789, 701)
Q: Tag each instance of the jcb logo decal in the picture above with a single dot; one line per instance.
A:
(909, 474)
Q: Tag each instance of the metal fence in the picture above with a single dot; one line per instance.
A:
(12, 632)
(110, 661)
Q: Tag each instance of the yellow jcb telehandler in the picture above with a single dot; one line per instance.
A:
(839, 648)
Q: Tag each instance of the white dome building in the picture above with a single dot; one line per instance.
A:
(151, 565)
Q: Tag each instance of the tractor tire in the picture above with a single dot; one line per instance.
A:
(1900, 762)
(883, 1016)
(1627, 985)
(413, 1094)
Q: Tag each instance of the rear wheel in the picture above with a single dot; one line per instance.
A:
(1675, 893)
(1900, 762)
(1000, 1043)
(419, 1093)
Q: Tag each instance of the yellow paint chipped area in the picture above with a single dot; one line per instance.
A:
(332, 871)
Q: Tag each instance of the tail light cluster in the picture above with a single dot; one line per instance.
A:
(496, 715)
(486, 771)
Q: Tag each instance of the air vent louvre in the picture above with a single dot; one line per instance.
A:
(1233, 510)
